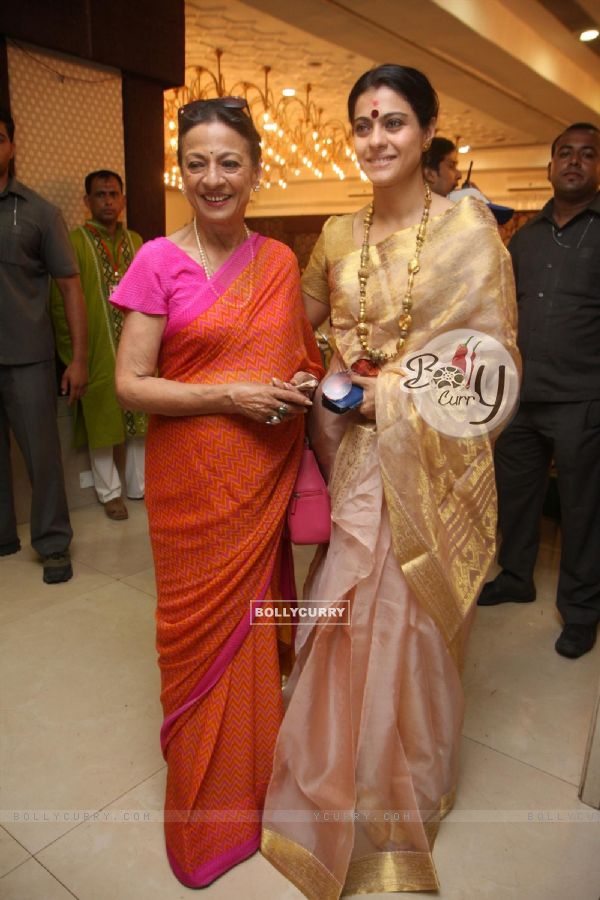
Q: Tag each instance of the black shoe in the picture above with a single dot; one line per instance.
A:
(493, 593)
(12, 547)
(57, 567)
(575, 640)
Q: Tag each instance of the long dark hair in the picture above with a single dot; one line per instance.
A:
(409, 83)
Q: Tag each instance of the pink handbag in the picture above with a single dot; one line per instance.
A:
(309, 510)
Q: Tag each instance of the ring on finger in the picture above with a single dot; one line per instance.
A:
(282, 410)
(273, 420)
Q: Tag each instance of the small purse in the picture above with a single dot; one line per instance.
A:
(309, 509)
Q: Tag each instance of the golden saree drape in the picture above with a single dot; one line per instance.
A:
(367, 757)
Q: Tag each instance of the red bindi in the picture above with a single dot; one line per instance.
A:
(374, 113)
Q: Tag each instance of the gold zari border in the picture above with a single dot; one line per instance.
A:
(299, 866)
(447, 802)
(385, 872)
(352, 452)
(391, 872)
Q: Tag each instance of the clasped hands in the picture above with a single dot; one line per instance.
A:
(272, 403)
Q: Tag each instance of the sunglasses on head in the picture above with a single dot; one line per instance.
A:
(192, 110)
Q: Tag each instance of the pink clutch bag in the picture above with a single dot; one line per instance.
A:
(309, 510)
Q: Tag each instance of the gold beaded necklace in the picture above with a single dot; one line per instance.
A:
(405, 321)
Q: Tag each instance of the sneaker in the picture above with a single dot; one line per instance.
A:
(57, 567)
(575, 640)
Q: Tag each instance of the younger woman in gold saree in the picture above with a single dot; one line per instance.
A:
(366, 760)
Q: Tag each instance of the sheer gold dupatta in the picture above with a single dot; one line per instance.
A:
(444, 518)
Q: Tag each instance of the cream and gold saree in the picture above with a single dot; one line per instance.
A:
(367, 757)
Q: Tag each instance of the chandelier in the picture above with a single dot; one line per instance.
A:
(295, 138)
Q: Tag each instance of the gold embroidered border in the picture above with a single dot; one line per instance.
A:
(447, 802)
(300, 867)
(351, 454)
(390, 872)
(433, 825)
(425, 576)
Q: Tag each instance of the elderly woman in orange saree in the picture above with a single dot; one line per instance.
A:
(216, 346)
(366, 761)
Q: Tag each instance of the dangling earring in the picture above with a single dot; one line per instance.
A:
(256, 188)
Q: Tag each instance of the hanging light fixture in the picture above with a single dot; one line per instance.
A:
(295, 138)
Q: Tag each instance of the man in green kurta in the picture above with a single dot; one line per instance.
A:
(104, 250)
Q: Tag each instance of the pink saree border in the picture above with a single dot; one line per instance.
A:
(207, 872)
(210, 290)
(216, 670)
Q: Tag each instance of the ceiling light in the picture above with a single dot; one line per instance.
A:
(294, 133)
(464, 148)
(590, 35)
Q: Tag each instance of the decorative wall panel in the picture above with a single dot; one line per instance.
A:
(69, 121)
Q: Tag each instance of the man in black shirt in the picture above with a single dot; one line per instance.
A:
(556, 258)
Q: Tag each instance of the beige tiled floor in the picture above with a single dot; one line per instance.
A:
(79, 721)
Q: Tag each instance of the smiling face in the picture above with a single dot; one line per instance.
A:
(388, 138)
(575, 167)
(218, 174)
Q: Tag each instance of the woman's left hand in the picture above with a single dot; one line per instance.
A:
(367, 407)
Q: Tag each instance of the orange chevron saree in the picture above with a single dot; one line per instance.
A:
(217, 492)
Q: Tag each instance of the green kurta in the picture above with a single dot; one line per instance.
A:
(98, 419)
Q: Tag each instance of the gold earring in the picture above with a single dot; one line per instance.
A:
(426, 145)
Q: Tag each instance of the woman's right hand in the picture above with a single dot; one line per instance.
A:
(262, 401)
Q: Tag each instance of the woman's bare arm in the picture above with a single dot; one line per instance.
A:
(316, 312)
(139, 388)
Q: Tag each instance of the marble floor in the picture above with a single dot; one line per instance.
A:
(82, 775)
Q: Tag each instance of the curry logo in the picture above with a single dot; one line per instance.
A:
(464, 384)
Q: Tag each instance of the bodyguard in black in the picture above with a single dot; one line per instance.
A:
(34, 244)
(556, 258)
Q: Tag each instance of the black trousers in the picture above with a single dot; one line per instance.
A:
(569, 432)
(28, 405)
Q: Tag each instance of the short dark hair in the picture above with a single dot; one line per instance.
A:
(235, 118)
(101, 173)
(409, 83)
(577, 126)
(7, 119)
(438, 150)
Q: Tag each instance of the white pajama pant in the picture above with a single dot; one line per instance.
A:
(106, 475)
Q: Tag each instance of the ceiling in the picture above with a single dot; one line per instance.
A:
(510, 73)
